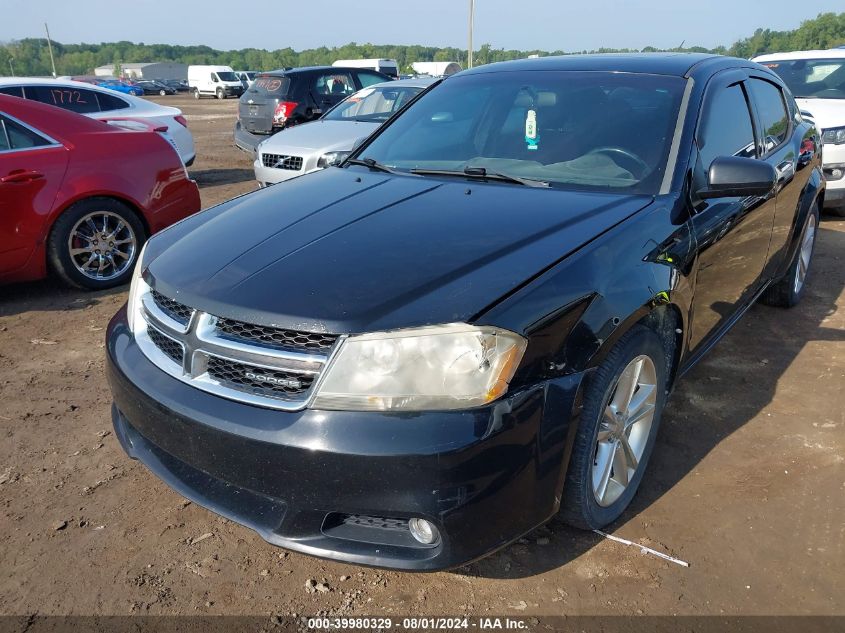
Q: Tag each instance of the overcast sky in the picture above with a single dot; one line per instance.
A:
(510, 24)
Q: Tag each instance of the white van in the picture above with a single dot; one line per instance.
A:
(389, 67)
(214, 81)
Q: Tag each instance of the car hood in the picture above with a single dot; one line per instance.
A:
(319, 135)
(349, 250)
(827, 113)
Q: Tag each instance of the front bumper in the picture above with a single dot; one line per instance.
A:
(484, 477)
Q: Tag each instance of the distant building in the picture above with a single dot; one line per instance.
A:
(146, 70)
(436, 69)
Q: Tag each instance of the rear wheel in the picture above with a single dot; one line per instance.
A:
(196, 93)
(789, 289)
(162, 92)
(94, 244)
(623, 402)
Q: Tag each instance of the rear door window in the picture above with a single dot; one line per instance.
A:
(771, 108)
(16, 136)
(334, 84)
(78, 100)
(12, 91)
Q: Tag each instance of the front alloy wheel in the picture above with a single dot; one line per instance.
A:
(622, 402)
(624, 430)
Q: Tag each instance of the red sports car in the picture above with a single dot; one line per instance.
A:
(79, 197)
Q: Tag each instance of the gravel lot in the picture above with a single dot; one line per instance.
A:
(747, 483)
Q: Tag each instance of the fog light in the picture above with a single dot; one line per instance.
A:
(423, 531)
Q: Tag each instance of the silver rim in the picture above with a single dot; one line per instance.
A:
(624, 430)
(102, 245)
(806, 253)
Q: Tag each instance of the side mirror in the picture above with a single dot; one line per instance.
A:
(733, 176)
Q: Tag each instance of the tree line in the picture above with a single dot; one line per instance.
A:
(31, 56)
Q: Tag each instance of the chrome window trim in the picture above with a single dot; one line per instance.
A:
(200, 341)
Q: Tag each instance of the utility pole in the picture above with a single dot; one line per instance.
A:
(50, 46)
(471, 24)
(12, 68)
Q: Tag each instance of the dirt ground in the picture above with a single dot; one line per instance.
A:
(747, 482)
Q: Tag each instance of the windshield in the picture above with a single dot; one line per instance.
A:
(227, 76)
(372, 104)
(585, 130)
(812, 78)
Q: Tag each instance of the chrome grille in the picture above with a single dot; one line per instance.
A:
(173, 309)
(257, 380)
(280, 161)
(259, 365)
(274, 337)
(172, 349)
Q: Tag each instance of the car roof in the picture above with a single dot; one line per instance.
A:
(678, 64)
(56, 122)
(833, 53)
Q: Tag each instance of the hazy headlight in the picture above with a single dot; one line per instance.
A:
(137, 288)
(441, 367)
(330, 159)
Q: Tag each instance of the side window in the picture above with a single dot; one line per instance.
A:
(12, 91)
(725, 128)
(774, 118)
(19, 137)
(214, 77)
(110, 102)
(369, 79)
(4, 139)
(69, 98)
(334, 84)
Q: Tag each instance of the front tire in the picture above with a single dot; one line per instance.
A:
(789, 289)
(196, 93)
(220, 94)
(95, 243)
(162, 92)
(623, 403)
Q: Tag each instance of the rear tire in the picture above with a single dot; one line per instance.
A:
(623, 403)
(789, 289)
(162, 92)
(95, 243)
(196, 93)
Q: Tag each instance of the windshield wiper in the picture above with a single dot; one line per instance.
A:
(372, 164)
(482, 174)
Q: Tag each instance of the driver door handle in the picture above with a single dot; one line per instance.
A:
(22, 175)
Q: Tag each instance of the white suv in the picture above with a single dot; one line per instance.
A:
(817, 80)
(102, 103)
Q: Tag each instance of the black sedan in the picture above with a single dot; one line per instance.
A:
(155, 87)
(473, 324)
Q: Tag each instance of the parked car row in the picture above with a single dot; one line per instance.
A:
(102, 103)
